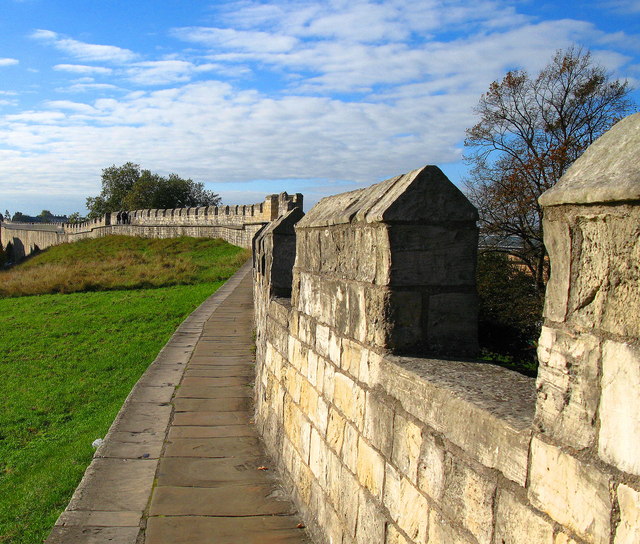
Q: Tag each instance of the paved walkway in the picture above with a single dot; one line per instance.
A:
(183, 463)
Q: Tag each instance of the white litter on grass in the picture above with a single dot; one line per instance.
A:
(97, 443)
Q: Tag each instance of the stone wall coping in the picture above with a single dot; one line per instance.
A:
(47, 227)
(417, 196)
(608, 171)
(485, 410)
(501, 392)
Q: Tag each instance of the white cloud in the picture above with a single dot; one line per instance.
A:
(622, 6)
(85, 51)
(83, 69)
(87, 87)
(237, 39)
(164, 72)
(70, 105)
(8, 62)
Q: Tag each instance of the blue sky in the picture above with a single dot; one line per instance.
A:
(256, 97)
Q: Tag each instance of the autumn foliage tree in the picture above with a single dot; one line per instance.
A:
(530, 130)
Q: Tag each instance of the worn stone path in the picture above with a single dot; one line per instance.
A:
(183, 463)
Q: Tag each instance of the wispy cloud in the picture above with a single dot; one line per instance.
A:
(162, 72)
(85, 51)
(8, 62)
(622, 6)
(83, 69)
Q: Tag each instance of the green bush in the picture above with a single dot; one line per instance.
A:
(510, 312)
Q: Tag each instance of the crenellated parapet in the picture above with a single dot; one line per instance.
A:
(384, 429)
(236, 224)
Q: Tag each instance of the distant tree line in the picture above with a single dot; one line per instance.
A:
(45, 216)
(128, 187)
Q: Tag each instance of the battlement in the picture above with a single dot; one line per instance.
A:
(383, 427)
(236, 224)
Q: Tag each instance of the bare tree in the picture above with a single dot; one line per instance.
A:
(530, 131)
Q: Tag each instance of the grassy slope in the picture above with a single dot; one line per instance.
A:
(68, 362)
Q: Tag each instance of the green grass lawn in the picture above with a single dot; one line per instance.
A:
(67, 363)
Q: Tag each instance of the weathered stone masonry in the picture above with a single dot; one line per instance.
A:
(237, 225)
(381, 446)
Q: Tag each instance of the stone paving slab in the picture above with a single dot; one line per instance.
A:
(198, 472)
(213, 381)
(205, 391)
(133, 445)
(102, 487)
(243, 530)
(97, 518)
(229, 500)
(93, 535)
(210, 431)
(234, 446)
(213, 418)
(238, 404)
(221, 371)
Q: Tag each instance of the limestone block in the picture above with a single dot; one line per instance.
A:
(348, 503)
(433, 255)
(407, 443)
(558, 244)
(395, 537)
(573, 493)
(298, 355)
(431, 468)
(318, 458)
(406, 505)
(468, 498)
(322, 340)
(619, 442)
(304, 445)
(405, 321)
(328, 382)
(306, 329)
(517, 523)
(312, 369)
(362, 301)
(320, 370)
(370, 468)
(277, 335)
(335, 430)
(392, 491)
(343, 492)
(349, 398)
(607, 256)
(371, 524)
(563, 538)
(628, 531)
(378, 424)
(567, 393)
(441, 531)
(291, 381)
(349, 452)
(308, 399)
(321, 416)
(330, 522)
(370, 368)
(453, 321)
(335, 348)
(352, 356)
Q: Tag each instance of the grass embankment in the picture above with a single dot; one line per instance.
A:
(68, 361)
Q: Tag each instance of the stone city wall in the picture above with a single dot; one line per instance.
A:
(387, 433)
(236, 224)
